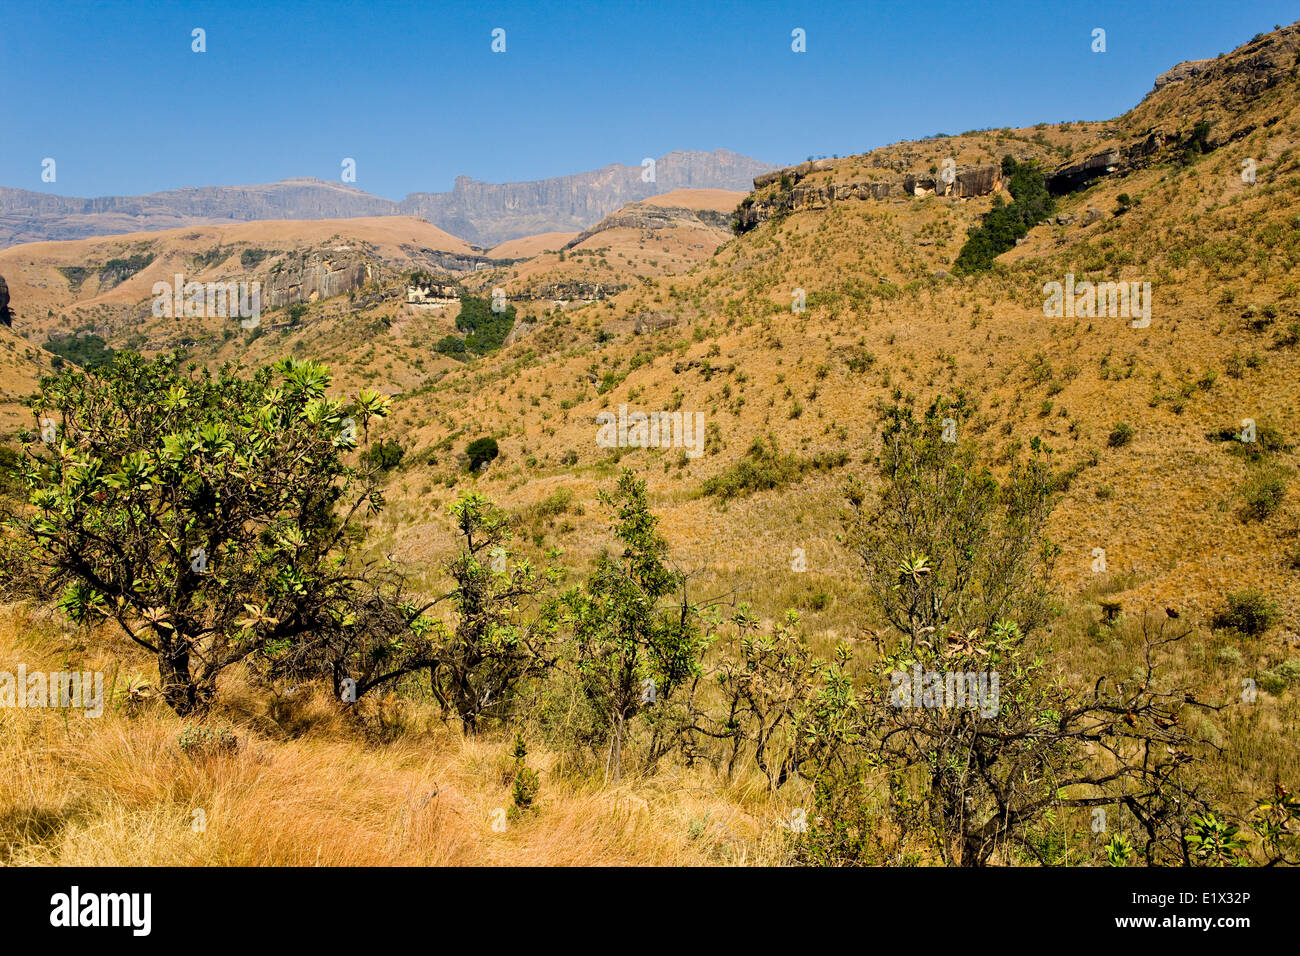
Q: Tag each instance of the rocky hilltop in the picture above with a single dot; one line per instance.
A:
(483, 213)
(649, 217)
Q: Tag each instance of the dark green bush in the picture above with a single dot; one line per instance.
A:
(86, 351)
(386, 454)
(481, 451)
(1249, 611)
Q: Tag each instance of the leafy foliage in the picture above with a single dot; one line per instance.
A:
(637, 638)
(491, 648)
(211, 517)
(1251, 612)
(485, 330)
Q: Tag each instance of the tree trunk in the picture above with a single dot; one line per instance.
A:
(616, 750)
(178, 686)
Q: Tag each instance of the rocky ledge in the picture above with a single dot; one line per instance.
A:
(791, 195)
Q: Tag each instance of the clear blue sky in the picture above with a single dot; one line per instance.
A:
(412, 91)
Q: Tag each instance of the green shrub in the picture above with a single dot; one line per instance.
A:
(1263, 493)
(484, 329)
(386, 454)
(452, 345)
(481, 451)
(1120, 435)
(1230, 656)
(523, 793)
(1289, 670)
(555, 504)
(250, 258)
(762, 468)
(1272, 682)
(1249, 611)
(87, 351)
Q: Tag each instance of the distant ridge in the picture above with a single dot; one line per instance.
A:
(485, 214)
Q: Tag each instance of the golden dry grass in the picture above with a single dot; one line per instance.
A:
(119, 790)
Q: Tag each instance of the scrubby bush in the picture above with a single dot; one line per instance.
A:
(1250, 612)
(198, 512)
(1120, 435)
(385, 454)
(1263, 494)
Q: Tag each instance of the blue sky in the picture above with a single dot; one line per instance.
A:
(413, 92)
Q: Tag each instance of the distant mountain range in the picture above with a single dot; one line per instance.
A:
(482, 213)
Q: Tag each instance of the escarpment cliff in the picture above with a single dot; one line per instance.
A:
(490, 213)
(483, 213)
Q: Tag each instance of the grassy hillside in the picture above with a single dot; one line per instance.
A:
(1141, 423)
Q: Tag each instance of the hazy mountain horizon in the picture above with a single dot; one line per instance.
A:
(482, 213)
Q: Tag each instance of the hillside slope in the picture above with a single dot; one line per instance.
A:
(841, 299)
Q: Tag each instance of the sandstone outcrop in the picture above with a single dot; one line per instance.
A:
(653, 321)
(432, 293)
(793, 195)
(968, 181)
(318, 274)
(519, 331)
(1182, 72)
(570, 292)
(795, 173)
(1259, 65)
(1108, 162)
(6, 317)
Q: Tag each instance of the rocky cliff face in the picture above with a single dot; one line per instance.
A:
(1119, 160)
(1259, 65)
(483, 213)
(6, 318)
(571, 291)
(1181, 72)
(313, 275)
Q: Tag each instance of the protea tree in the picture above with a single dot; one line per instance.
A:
(213, 517)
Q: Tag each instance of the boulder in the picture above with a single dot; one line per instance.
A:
(652, 321)
(969, 181)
